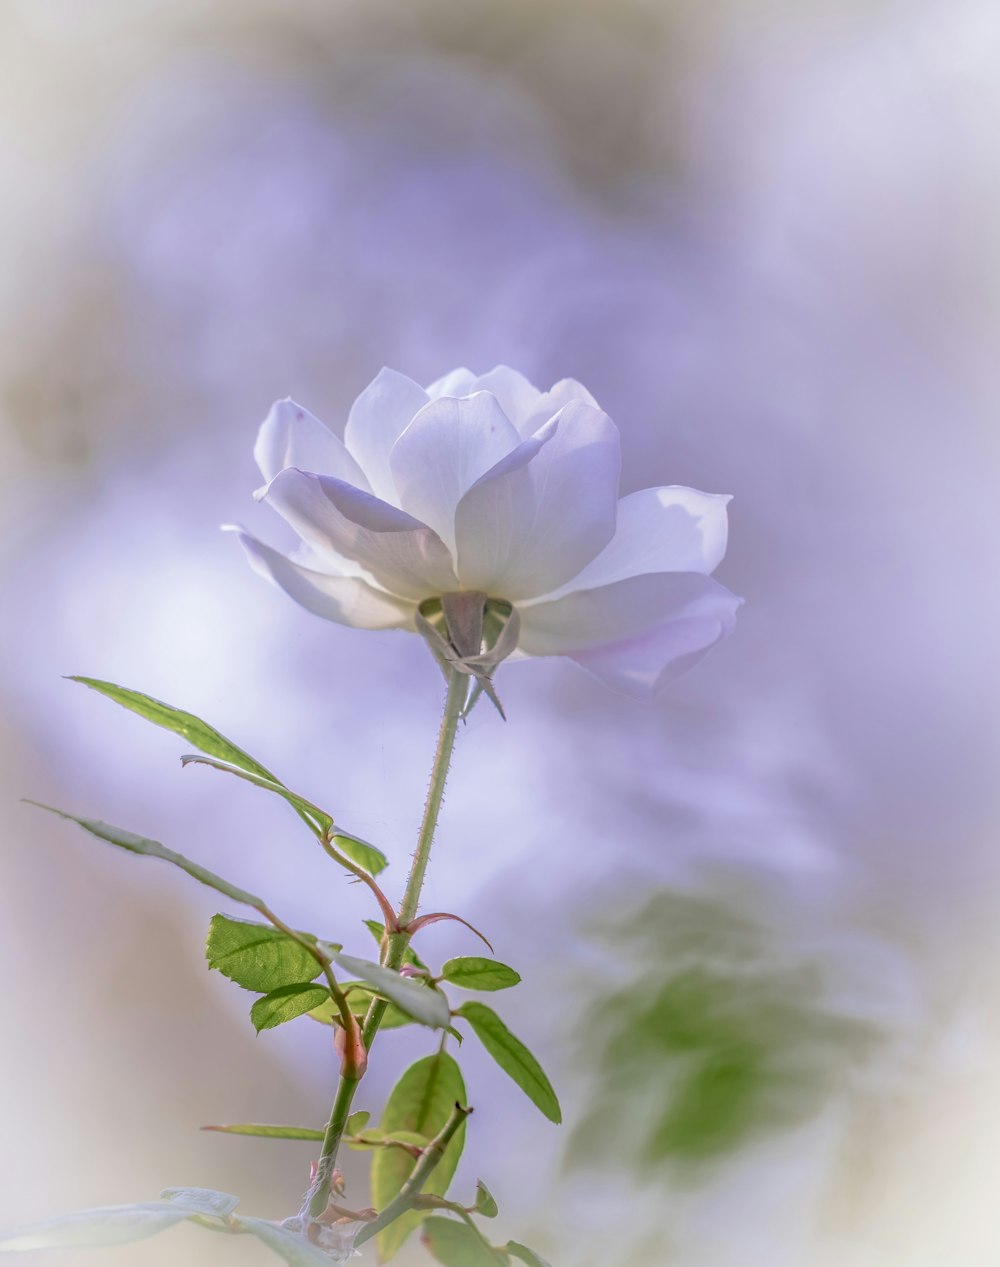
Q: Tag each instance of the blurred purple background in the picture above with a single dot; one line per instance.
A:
(764, 235)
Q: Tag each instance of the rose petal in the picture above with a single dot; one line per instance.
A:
(457, 383)
(518, 398)
(401, 553)
(292, 436)
(643, 665)
(525, 529)
(377, 419)
(347, 600)
(449, 444)
(523, 403)
(671, 529)
(586, 620)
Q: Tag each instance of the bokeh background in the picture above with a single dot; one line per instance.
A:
(757, 920)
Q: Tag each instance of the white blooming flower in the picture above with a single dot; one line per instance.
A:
(487, 486)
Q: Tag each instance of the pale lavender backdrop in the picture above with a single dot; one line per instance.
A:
(764, 235)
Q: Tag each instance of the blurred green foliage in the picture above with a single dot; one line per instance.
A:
(722, 1035)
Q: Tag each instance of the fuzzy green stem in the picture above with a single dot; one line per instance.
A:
(422, 1171)
(339, 1114)
(458, 685)
(396, 943)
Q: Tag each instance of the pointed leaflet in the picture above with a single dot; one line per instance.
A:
(257, 956)
(361, 852)
(475, 973)
(457, 1245)
(201, 1201)
(525, 1254)
(485, 1201)
(153, 849)
(420, 1102)
(110, 1225)
(306, 809)
(513, 1057)
(262, 1131)
(286, 1003)
(204, 737)
(425, 1005)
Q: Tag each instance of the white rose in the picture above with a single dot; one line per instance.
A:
(487, 485)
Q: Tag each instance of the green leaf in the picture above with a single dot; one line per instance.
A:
(377, 930)
(366, 856)
(525, 1254)
(201, 1201)
(485, 1202)
(204, 737)
(421, 1102)
(294, 1249)
(476, 973)
(425, 1005)
(285, 1004)
(358, 1000)
(262, 1131)
(513, 1057)
(357, 1121)
(257, 956)
(153, 849)
(111, 1225)
(324, 822)
(456, 1244)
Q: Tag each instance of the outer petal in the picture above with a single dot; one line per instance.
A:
(377, 419)
(632, 632)
(401, 553)
(346, 599)
(292, 436)
(642, 666)
(671, 529)
(445, 449)
(557, 511)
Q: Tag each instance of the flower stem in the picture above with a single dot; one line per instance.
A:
(395, 943)
(457, 689)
